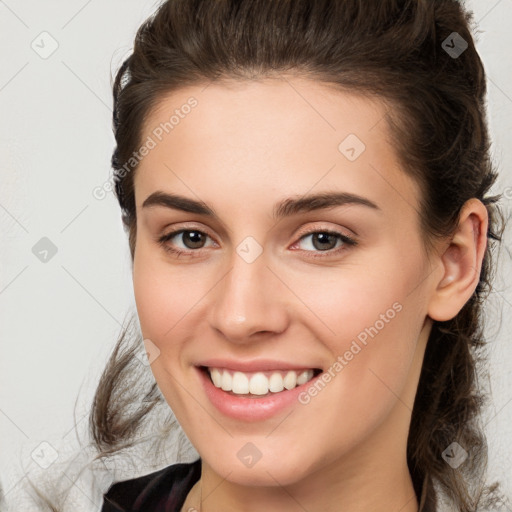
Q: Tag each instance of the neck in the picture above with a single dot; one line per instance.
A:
(361, 481)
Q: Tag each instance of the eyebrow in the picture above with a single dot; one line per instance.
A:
(285, 208)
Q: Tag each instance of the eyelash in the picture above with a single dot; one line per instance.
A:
(347, 241)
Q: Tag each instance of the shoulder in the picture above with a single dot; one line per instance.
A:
(165, 489)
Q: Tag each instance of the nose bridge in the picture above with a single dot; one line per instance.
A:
(246, 301)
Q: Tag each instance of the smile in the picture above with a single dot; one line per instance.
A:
(259, 383)
(255, 390)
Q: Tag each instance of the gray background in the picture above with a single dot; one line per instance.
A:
(59, 319)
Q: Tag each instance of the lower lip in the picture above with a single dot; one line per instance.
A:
(251, 409)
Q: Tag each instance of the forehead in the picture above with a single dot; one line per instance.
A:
(255, 111)
(272, 137)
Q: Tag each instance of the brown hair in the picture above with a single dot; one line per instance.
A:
(394, 50)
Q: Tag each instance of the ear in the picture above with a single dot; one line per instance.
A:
(461, 263)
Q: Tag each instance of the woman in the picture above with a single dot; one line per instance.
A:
(304, 185)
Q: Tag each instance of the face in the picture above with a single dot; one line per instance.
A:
(268, 280)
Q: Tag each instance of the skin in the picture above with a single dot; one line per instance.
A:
(245, 147)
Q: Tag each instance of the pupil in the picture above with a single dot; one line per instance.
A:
(192, 235)
(324, 239)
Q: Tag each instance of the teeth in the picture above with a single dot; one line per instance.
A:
(216, 378)
(258, 383)
(275, 383)
(303, 378)
(290, 381)
(241, 383)
(227, 381)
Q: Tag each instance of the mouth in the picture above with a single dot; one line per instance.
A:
(258, 384)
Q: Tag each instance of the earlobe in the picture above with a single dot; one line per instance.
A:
(461, 263)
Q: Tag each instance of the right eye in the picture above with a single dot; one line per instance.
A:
(194, 237)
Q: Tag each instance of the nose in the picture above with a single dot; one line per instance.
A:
(248, 302)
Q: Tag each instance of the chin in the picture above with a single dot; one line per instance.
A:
(276, 469)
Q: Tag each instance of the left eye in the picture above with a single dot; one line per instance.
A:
(321, 238)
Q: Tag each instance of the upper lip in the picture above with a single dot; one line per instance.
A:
(254, 365)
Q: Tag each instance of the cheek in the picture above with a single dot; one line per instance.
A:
(164, 304)
(345, 302)
(163, 295)
(153, 300)
(370, 322)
